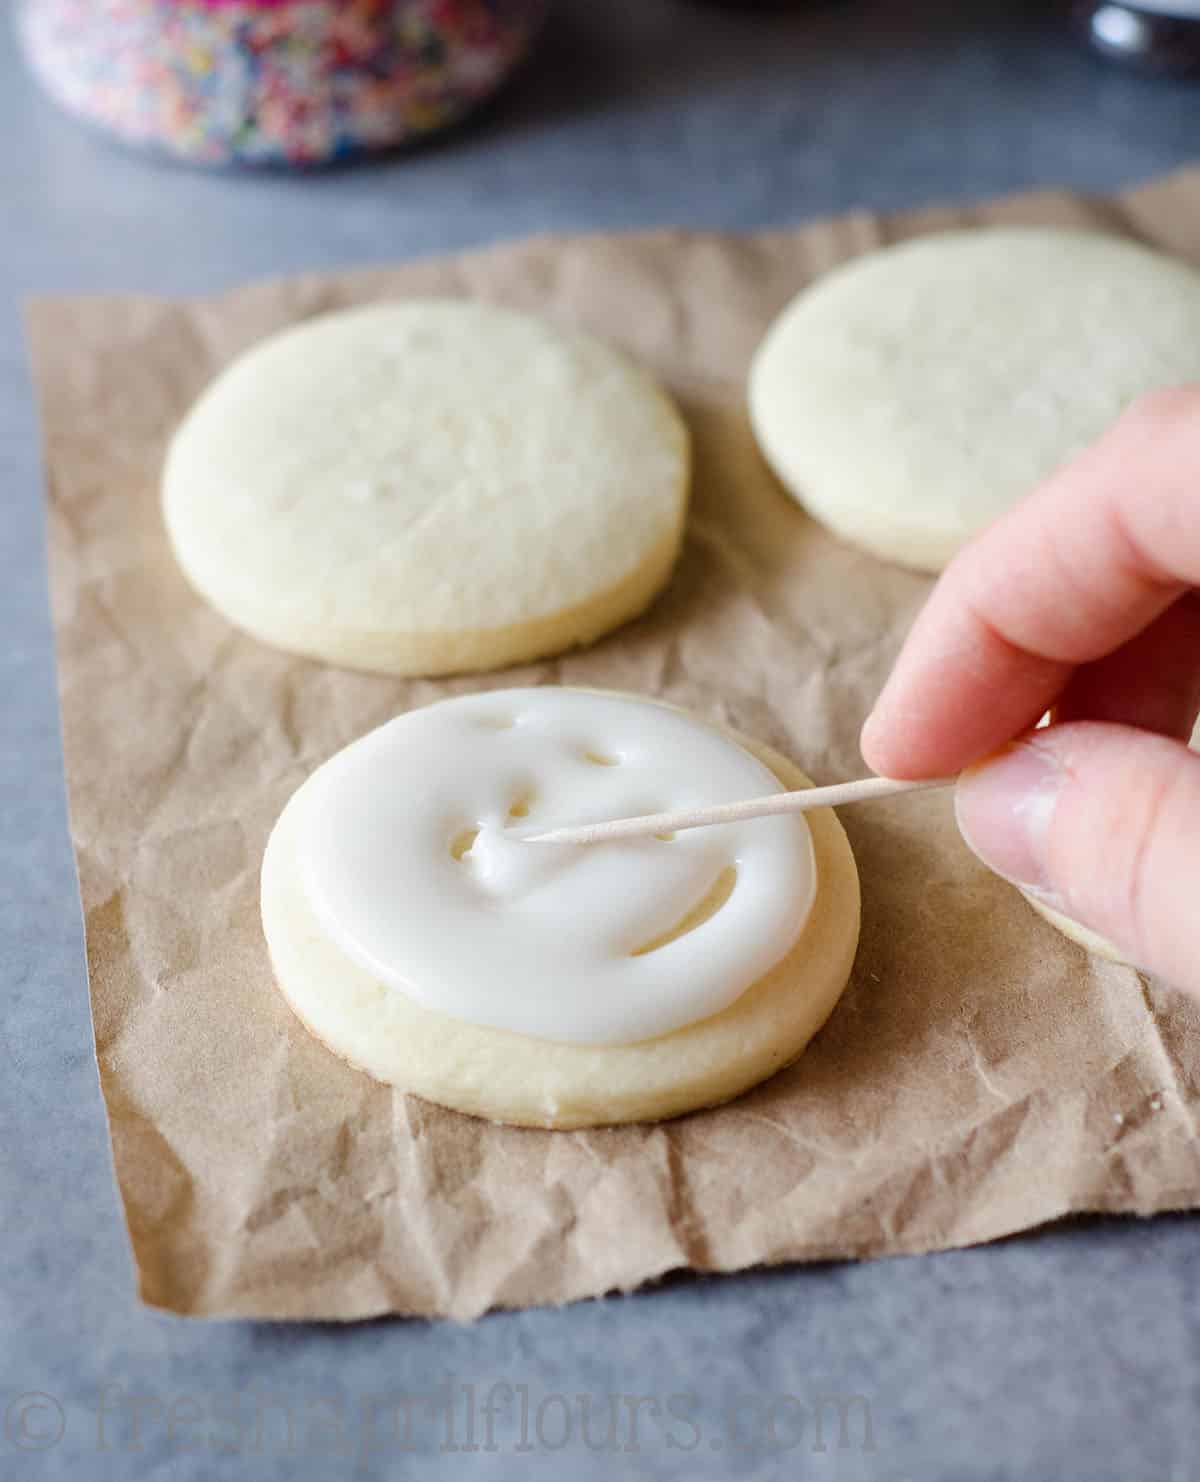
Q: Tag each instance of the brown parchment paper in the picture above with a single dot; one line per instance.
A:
(981, 1075)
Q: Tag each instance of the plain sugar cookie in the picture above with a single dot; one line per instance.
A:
(565, 986)
(910, 397)
(428, 487)
(1082, 936)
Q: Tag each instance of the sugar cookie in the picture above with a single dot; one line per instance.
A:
(911, 396)
(546, 985)
(428, 487)
(1082, 936)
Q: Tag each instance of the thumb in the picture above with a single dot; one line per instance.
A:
(1102, 823)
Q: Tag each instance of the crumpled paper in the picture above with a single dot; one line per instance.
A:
(981, 1075)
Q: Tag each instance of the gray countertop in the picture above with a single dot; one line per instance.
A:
(1068, 1354)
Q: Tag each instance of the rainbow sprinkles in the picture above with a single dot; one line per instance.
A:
(274, 82)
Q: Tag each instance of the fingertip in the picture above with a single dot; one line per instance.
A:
(892, 746)
(1098, 822)
(1004, 806)
(878, 743)
(867, 743)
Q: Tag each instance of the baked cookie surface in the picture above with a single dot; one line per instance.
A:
(428, 487)
(911, 396)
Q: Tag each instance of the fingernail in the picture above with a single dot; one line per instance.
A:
(1004, 807)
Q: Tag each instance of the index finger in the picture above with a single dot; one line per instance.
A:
(1089, 560)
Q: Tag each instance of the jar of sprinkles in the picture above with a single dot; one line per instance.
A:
(273, 82)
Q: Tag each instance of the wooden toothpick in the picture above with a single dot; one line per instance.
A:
(803, 801)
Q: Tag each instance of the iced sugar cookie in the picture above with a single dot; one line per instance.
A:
(428, 487)
(911, 396)
(547, 985)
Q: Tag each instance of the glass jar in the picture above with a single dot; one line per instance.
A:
(1161, 35)
(273, 81)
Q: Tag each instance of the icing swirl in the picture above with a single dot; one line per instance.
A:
(410, 864)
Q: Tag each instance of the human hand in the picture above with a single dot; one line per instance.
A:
(1081, 600)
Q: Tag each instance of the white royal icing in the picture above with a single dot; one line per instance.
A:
(410, 865)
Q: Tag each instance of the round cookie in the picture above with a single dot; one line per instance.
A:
(518, 1078)
(1082, 936)
(428, 487)
(911, 396)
